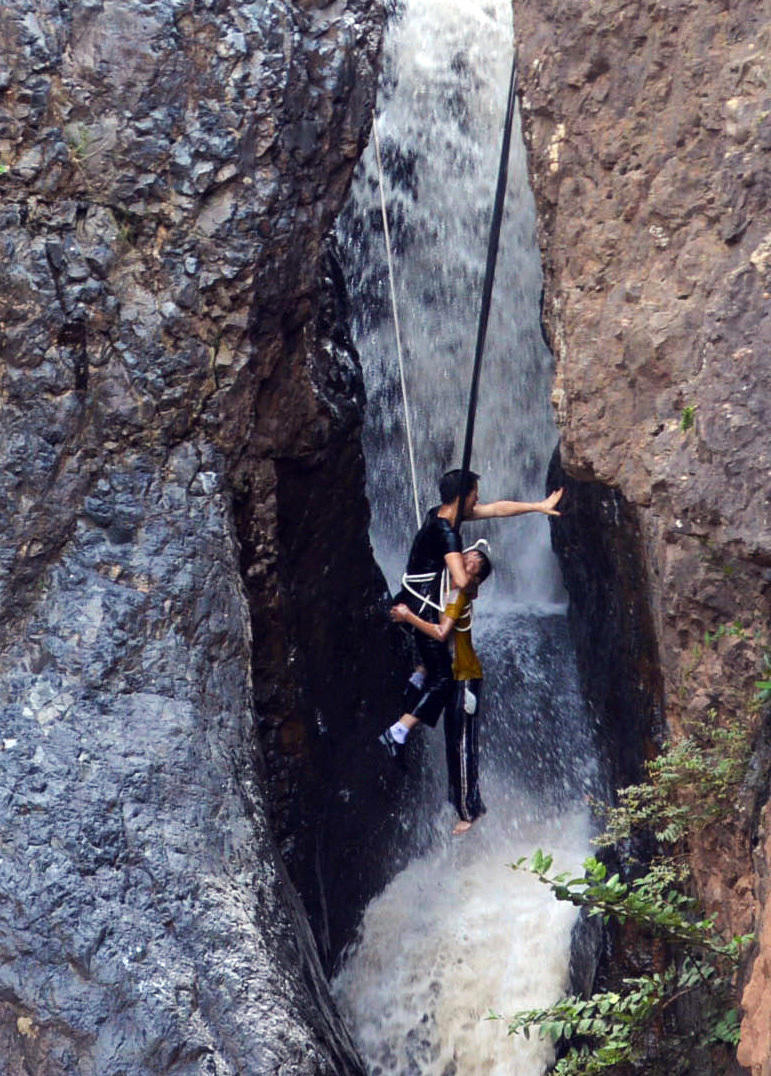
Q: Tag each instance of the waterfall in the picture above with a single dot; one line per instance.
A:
(442, 100)
(457, 933)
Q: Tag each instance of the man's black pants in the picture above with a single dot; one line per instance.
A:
(438, 685)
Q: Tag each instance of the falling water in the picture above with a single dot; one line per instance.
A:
(458, 933)
(443, 96)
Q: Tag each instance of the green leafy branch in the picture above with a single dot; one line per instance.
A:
(651, 901)
(609, 1027)
(693, 783)
(607, 1020)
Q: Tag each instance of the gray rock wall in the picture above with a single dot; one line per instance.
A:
(169, 171)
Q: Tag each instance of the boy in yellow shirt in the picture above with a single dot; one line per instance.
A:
(461, 718)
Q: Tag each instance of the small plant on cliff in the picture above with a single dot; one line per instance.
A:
(735, 631)
(691, 784)
(763, 686)
(687, 418)
(78, 140)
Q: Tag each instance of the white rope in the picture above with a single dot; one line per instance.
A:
(396, 319)
(422, 579)
(466, 618)
(445, 590)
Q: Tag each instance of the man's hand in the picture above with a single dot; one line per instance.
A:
(399, 613)
(547, 506)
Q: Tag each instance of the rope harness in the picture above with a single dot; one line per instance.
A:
(465, 621)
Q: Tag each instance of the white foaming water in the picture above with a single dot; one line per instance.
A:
(458, 933)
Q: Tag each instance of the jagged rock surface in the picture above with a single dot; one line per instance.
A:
(650, 151)
(169, 173)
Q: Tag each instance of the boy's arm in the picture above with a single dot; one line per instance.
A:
(441, 631)
(499, 509)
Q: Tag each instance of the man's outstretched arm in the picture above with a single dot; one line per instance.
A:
(499, 509)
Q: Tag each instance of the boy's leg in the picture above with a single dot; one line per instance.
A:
(434, 693)
(453, 731)
(412, 692)
(474, 804)
(436, 688)
(462, 748)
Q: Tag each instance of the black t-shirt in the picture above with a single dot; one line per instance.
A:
(433, 541)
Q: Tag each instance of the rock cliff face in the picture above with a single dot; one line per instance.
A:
(174, 382)
(649, 131)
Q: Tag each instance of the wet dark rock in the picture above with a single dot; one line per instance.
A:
(598, 542)
(170, 398)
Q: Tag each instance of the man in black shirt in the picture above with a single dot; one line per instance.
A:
(437, 546)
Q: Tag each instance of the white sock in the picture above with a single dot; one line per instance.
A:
(399, 732)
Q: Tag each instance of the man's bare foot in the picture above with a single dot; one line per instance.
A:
(461, 827)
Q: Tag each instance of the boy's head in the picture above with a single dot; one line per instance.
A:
(477, 563)
(449, 485)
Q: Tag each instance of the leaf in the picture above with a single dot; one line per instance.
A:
(763, 689)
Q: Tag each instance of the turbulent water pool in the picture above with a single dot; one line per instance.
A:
(458, 935)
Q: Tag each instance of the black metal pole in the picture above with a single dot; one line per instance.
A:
(487, 291)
